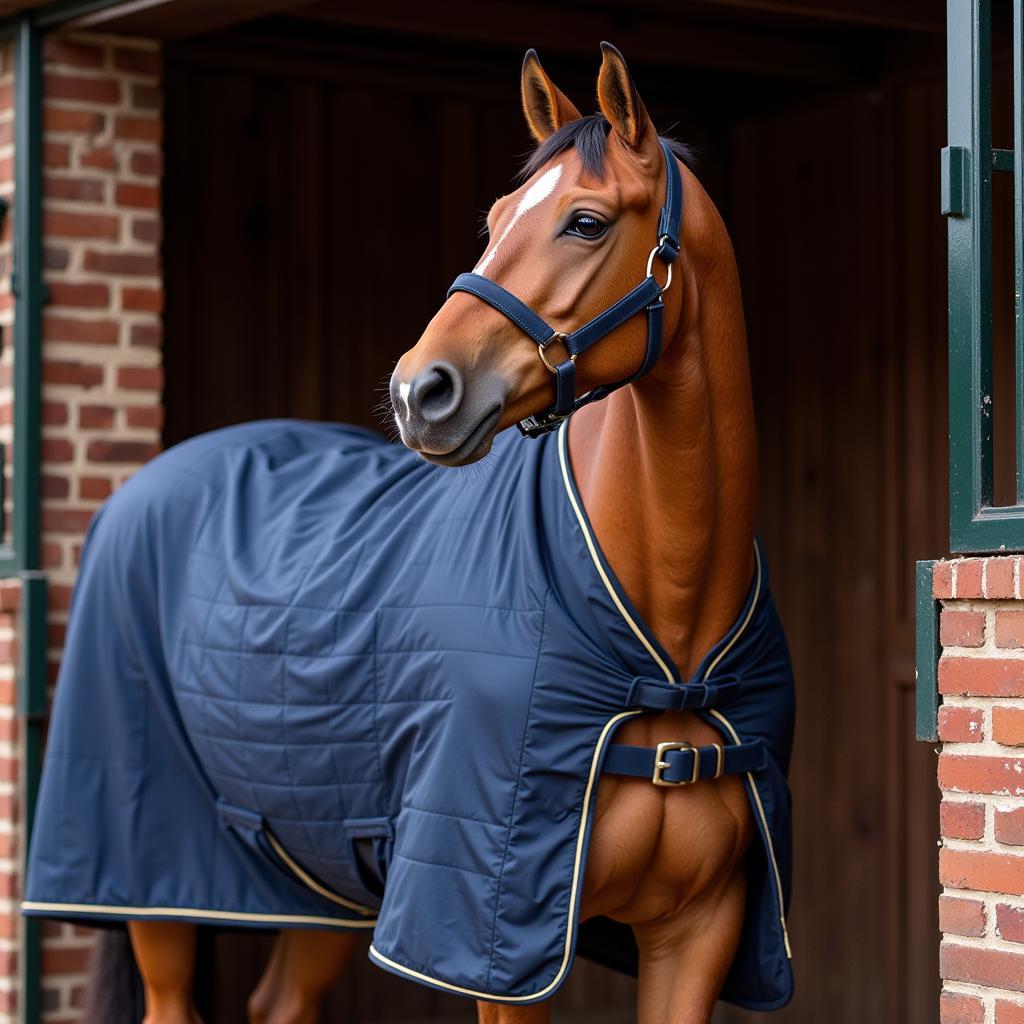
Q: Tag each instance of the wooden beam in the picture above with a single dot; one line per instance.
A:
(914, 15)
(652, 36)
(172, 19)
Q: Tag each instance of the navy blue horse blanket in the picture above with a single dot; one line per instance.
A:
(311, 680)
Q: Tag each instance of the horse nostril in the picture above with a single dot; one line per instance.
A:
(436, 393)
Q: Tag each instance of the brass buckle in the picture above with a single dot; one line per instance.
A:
(661, 765)
(720, 762)
(542, 349)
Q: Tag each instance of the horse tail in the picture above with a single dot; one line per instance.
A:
(115, 994)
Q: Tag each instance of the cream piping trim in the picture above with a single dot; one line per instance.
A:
(562, 435)
(554, 983)
(311, 882)
(212, 915)
(746, 621)
(592, 547)
(767, 833)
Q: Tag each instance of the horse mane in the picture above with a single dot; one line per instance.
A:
(589, 137)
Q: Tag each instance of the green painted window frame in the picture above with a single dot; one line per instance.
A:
(968, 164)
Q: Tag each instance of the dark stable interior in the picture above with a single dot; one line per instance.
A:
(326, 176)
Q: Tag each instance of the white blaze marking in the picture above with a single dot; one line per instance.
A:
(403, 394)
(535, 194)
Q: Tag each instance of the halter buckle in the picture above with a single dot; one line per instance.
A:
(542, 349)
(656, 251)
(661, 765)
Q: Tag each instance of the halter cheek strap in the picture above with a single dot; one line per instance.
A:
(645, 297)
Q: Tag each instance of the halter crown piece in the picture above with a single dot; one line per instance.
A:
(646, 296)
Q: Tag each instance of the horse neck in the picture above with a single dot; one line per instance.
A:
(667, 467)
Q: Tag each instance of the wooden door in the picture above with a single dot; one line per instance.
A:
(295, 279)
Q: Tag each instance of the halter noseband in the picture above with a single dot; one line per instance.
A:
(646, 296)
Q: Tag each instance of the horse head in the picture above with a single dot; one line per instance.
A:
(567, 245)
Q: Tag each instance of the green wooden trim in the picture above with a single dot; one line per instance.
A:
(29, 291)
(926, 663)
(953, 166)
(29, 296)
(1002, 160)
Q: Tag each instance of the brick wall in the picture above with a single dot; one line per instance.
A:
(981, 776)
(102, 409)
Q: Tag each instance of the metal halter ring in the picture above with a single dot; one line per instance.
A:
(542, 349)
(650, 265)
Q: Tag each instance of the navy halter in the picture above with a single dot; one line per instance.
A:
(646, 296)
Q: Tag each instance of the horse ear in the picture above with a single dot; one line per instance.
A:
(546, 107)
(619, 100)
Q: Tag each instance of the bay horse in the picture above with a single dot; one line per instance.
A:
(680, 874)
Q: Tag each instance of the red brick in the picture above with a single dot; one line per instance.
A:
(1008, 726)
(92, 416)
(66, 520)
(145, 416)
(66, 960)
(1010, 628)
(968, 577)
(961, 820)
(55, 413)
(138, 62)
(10, 598)
(102, 158)
(59, 596)
(982, 870)
(146, 197)
(55, 486)
(147, 163)
(85, 332)
(1010, 827)
(999, 578)
(140, 378)
(981, 677)
(59, 371)
(1003, 776)
(57, 449)
(961, 629)
(52, 555)
(56, 154)
(75, 122)
(146, 97)
(973, 964)
(130, 264)
(145, 229)
(961, 917)
(56, 633)
(148, 335)
(84, 294)
(960, 725)
(1010, 922)
(95, 488)
(81, 88)
(142, 129)
(121, 451)
(58, 50)
(84, 190)
(56, 257)
(145, 300)
(1009, 1013)
(65, 224)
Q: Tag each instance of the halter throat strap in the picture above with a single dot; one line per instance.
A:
(645, 297)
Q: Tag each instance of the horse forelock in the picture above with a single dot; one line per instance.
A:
(589, 137)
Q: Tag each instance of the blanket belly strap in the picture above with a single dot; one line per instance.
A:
(679, 764)
(656, 695)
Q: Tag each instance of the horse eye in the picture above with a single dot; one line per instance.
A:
(586, 225)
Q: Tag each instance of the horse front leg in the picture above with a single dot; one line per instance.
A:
(166, 954)
(302, 968)
(503, 1013)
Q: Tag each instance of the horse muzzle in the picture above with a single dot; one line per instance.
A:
(448, 420)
